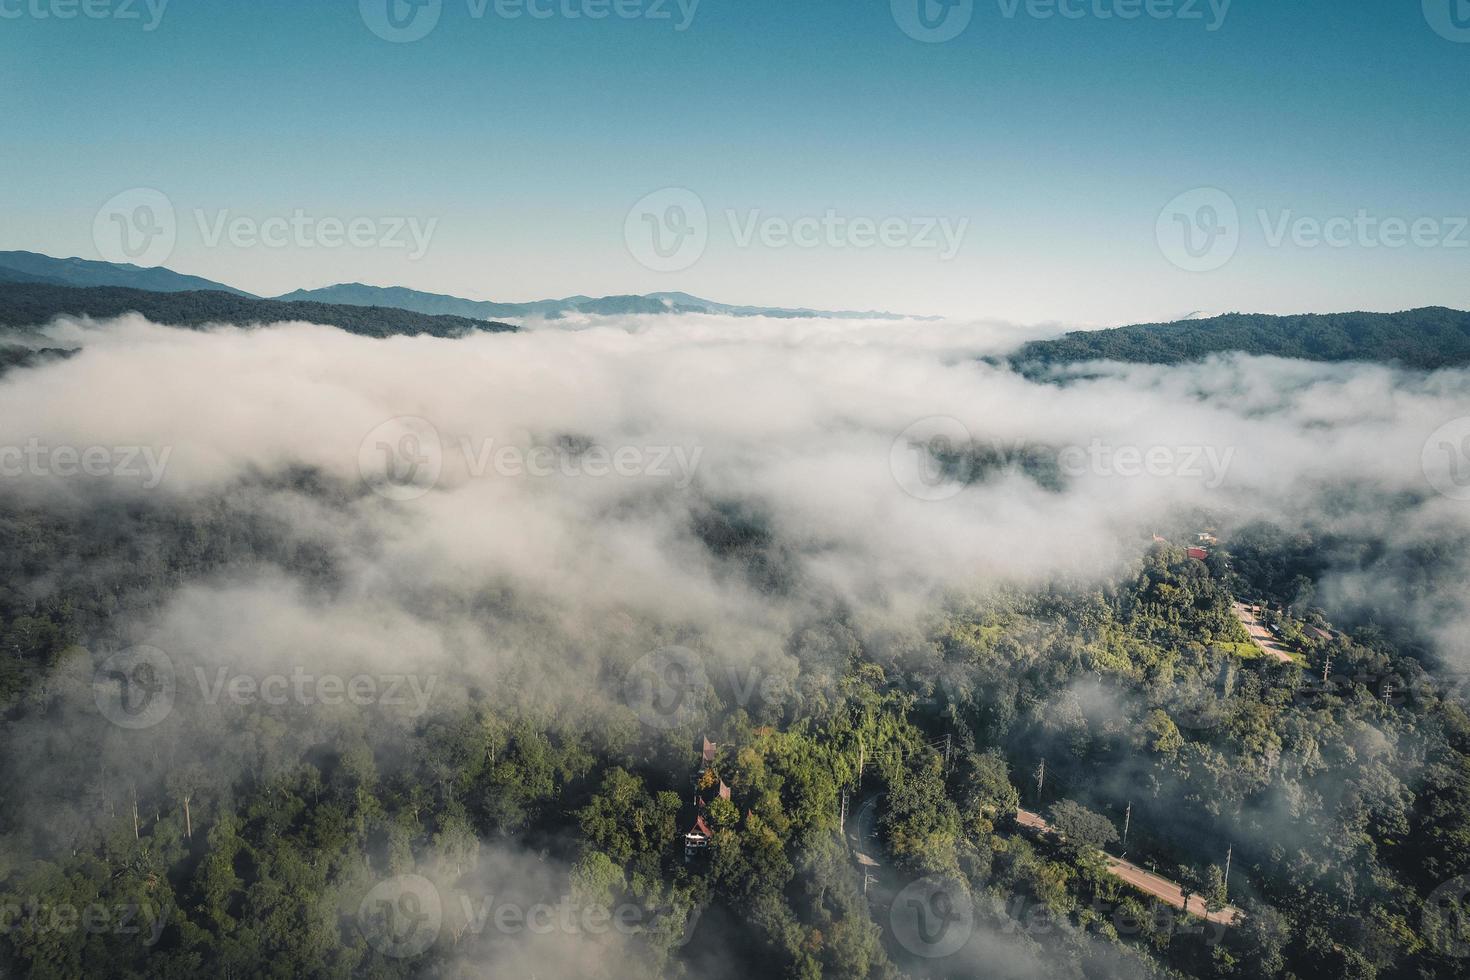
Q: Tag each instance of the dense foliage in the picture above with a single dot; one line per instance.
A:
(1428, 339)
(33, 304)
(1344, 805)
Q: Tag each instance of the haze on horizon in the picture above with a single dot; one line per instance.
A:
(1027, 162)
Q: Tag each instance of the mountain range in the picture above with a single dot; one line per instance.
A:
(33, 267)
(37, 288)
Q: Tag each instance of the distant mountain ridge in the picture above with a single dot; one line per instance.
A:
(1429, 338)
(32, 304)
(35, 267)
(357, 294)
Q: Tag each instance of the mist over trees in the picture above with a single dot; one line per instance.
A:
(262, 718)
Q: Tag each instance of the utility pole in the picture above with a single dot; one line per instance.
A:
(861, 762)
(1327, 667)
(948, 739)
(842, 816)
(1040, 781)
(1127, 819)
(1228, 855)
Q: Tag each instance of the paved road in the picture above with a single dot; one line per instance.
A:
(1145, 881)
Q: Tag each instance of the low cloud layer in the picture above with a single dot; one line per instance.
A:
(573, 464)
(533, 513)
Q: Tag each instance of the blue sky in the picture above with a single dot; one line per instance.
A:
(1048, 146)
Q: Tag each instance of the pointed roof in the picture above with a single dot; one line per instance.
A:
(724, 791)
(709, 750)
(702, 828)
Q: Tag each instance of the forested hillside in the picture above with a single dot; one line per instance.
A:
(1344, 806)
(1428, 339)
(33, 304)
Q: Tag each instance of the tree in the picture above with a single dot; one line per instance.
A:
(1083, 833)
